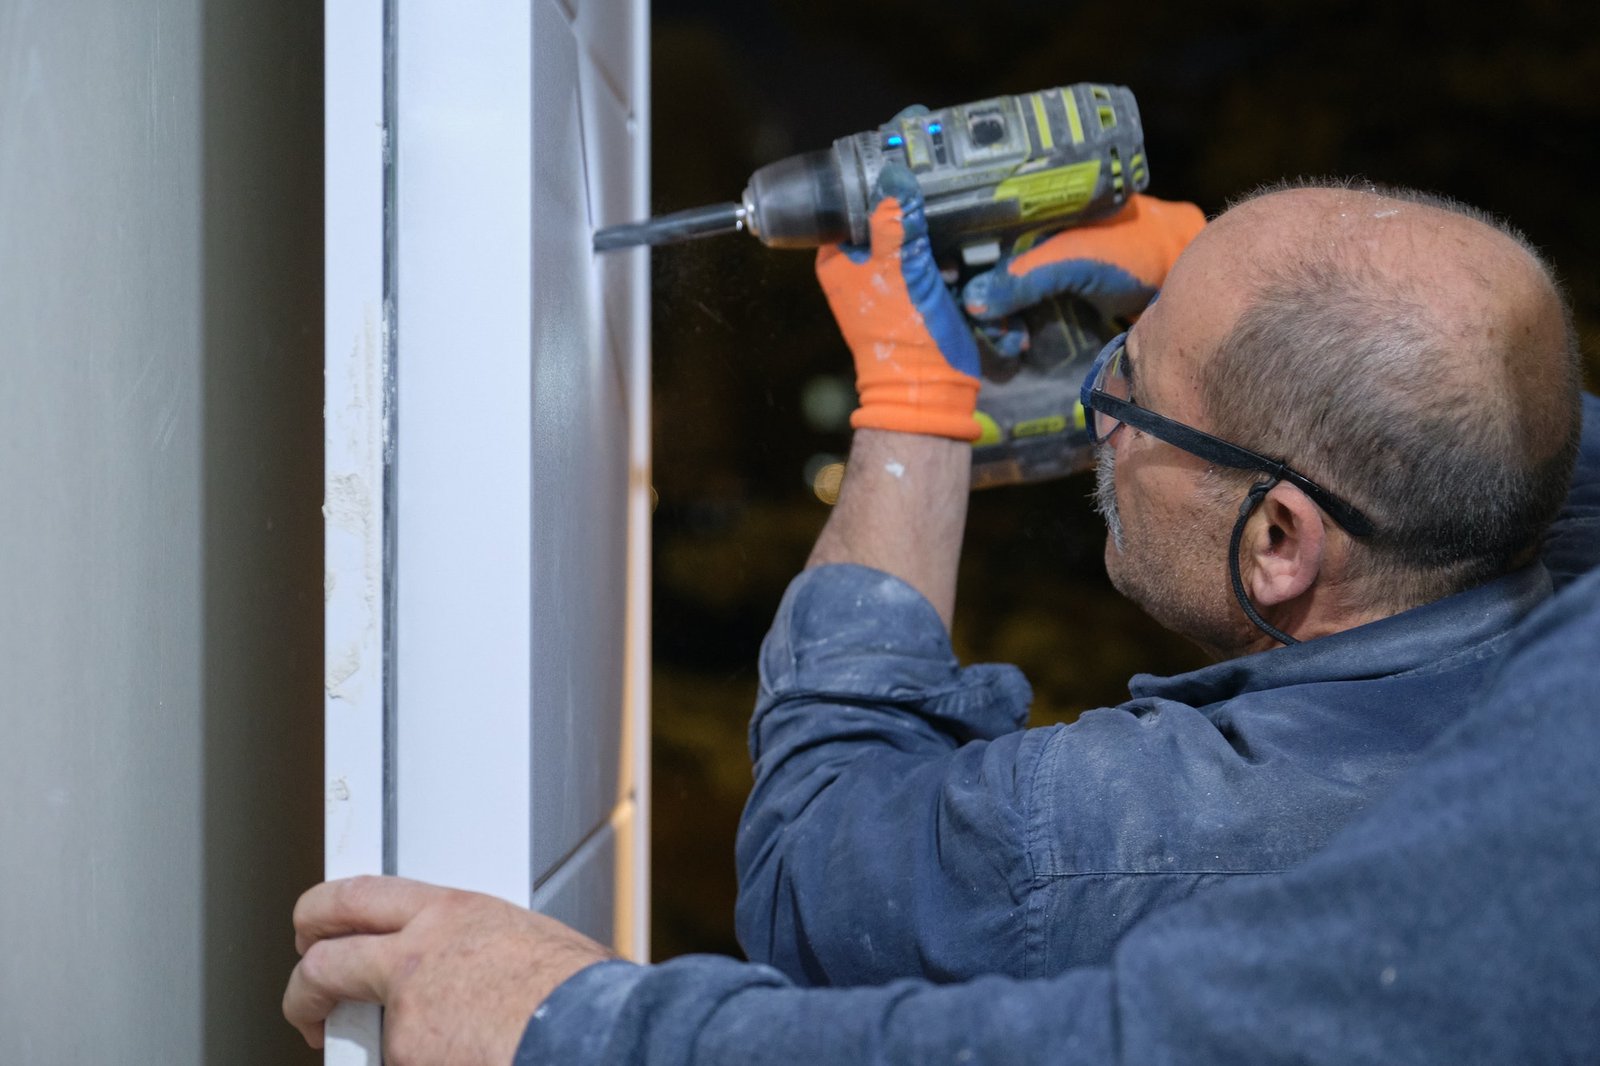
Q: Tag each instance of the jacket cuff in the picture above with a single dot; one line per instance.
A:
(575, 1023)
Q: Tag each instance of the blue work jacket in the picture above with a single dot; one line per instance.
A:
(1456, 921)
(902, 823)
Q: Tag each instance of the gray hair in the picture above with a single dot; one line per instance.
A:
(1340, 370)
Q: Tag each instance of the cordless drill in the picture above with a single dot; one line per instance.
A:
(996, 176)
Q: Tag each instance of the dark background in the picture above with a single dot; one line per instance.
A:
(1497, 105)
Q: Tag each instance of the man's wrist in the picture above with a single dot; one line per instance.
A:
(901, 509)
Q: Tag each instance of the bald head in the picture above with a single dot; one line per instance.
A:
(1411, 353)
(1481, 293)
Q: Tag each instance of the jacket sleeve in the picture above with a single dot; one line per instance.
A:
(1572, 545)
(1456, 922)
(885, 832)
(711, 1011)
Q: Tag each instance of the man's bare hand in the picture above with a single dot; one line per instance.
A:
(459, 973)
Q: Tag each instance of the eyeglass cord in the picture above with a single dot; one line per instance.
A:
(1251, 502)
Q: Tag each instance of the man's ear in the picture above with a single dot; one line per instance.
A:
(1284, 546)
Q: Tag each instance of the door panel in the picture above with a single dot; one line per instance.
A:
(488, 516)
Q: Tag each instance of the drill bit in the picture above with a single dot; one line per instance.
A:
(673, 228)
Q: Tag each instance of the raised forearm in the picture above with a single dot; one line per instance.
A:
(902, 509)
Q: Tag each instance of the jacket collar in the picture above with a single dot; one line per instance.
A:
(1459, 628)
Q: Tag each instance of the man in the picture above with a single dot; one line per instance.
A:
(1330, 451)
(1456, 921)
(466, 970)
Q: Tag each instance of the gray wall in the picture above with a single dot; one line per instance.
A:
(160, 539)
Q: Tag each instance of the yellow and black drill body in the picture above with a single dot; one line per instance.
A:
(996, 176)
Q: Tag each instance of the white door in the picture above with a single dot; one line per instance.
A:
(487, 457)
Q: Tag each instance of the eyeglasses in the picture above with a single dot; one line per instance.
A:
(1106, 400)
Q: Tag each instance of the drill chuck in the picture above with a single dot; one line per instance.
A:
(799, 202)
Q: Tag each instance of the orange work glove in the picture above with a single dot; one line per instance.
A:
(916, 360)
(1116, 264)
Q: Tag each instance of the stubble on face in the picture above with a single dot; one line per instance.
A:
(1173, 568)
(1105, 494)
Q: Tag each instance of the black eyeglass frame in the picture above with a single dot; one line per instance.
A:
(1203, 445)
